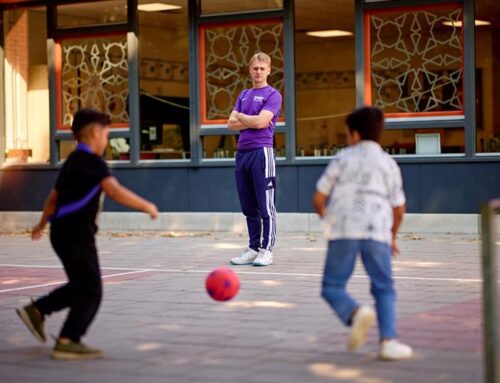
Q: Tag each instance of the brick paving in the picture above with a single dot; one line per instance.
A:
(156, 323)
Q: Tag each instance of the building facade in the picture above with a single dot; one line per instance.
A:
(168, 73)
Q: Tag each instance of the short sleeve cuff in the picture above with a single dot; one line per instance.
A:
(399, 201)
(270, 110)
(323, 186)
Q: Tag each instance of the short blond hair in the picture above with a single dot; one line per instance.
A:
(260, 56)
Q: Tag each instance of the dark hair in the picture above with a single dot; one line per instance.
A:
(87, 116)
(367, 121)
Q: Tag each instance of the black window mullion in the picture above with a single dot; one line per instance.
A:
(469, 77)
(194, 7)
(289, 64)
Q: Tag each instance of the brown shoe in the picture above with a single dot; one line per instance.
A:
(34, 320)
(68, 350)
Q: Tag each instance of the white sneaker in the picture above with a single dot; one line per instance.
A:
(361, 323)
(265, 258)
(246, 258)
(393, 349)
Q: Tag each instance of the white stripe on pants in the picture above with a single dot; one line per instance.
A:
(270, 173)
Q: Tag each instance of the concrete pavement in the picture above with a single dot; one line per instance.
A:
(156, 323)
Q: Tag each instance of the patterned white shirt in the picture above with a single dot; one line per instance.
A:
(363, 184)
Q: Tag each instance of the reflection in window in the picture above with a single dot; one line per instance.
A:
(95, 74)
(324, 80)
(231, 6)
(26, 86)
(65, 147)
(164, 82)
(423, 141)
(226, 50)
(219, 146)
(487, 76)
(415, 63)
(224, 146)
(118, 149)
(91, 13)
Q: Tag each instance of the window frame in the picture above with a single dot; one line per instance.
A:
(58, 62)
(202, 129)
(3, 129)
(467, 120)
(458, 114)
(205, 122)
(55, 35)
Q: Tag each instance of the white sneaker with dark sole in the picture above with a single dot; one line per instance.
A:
(393, 349)
(361, 324)
(246, 258)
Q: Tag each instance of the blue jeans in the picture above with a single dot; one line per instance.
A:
(376, 257)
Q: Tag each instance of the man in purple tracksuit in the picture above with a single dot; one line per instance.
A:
(255, 115)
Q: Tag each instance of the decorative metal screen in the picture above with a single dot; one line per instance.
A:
(415, 58)
(95, 74)
(226, 50)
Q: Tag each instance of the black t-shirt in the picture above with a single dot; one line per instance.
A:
(81, 173)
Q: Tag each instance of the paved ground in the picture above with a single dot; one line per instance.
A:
(156, 324)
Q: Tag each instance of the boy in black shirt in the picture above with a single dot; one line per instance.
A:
(72, 207)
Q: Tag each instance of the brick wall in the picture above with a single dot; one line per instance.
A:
(16, 43)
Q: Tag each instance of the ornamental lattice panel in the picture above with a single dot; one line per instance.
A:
(416, 61)
(227, 52)
(95, 74)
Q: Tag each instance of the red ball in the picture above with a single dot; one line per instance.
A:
(222, 284)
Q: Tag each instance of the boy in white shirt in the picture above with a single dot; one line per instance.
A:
(361, 200)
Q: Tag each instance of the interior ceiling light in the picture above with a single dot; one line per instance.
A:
(157, 7)
(329, 33)
(458, 23)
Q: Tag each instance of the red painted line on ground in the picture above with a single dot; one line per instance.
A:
(31, 281)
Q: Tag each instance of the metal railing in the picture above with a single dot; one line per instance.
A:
(490, 287)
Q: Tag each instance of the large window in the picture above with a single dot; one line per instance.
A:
(487, 76)
(325, 77)
(225, 51)
(92, 70)
(414, 63)
(94, 73)
(26, 86)
(411, 64)
(414, 71)
(164, 81)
